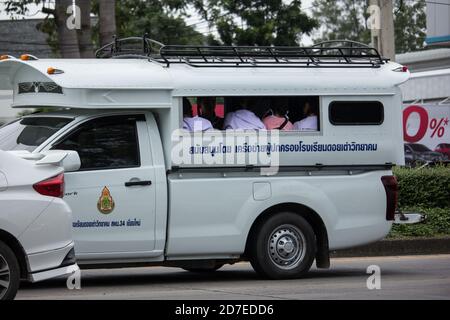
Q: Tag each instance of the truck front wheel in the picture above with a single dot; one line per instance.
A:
(283, 247)
(9, 273)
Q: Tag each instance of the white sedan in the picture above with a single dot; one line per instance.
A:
(35, 223)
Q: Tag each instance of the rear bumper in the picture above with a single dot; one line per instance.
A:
(54, 273)
(355, 236)
(53, 263)
(409, 218)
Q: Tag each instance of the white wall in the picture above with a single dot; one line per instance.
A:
(427, 85)
(438, 22)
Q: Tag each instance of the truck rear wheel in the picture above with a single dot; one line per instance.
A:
(9, 273)
(283, 247)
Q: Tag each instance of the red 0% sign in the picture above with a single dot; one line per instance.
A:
(436, 125)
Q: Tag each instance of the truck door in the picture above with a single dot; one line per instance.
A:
(112, 196)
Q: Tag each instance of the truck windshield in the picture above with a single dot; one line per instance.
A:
(29, 133)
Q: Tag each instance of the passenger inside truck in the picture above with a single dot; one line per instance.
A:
(310, 121)
(284, 113)
(206, 107)
(193, 123)
(244, 117)
(277, 117)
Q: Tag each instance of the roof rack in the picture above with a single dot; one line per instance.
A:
(331, 54)
(130, 48)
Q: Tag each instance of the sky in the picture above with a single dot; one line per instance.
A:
(34, 13)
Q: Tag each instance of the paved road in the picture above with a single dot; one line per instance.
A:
(409, 277)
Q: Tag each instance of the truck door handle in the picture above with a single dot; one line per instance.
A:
(138, 183)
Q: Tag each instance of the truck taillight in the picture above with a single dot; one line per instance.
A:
(53, 187)
(391, 186)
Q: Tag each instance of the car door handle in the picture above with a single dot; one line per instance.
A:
(138, 183)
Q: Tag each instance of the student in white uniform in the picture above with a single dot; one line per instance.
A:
(310, 123)
(243, 119)
(277, 117)
(207, 108)
(193, 124)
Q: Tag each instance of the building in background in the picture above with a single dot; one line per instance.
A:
(23, 36)
(430, 76)
(438, 23)
(426, 96)
(16, 38)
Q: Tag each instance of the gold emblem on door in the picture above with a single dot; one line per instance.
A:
(105, 203)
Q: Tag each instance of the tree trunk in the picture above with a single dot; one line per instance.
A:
(84, 34)
(387, 38)
(107, 20)
(67, 39)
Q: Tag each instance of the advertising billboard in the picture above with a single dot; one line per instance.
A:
(426, 124)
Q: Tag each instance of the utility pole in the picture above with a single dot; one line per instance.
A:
(382, 31)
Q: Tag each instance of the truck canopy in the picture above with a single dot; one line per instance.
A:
(362, 82)
(139, 83)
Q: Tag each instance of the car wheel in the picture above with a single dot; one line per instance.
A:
(283, 247)
(204, 269)
(9, 273)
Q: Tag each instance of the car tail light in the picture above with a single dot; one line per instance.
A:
(53, 187)
(391, 186)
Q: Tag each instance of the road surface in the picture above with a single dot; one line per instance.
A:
(408, 277)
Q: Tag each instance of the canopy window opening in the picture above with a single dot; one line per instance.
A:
(356, 113)
(285, 113)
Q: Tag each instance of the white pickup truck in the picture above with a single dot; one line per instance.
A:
(135, 198)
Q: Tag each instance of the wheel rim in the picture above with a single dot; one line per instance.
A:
(286, 246)
(5, 275)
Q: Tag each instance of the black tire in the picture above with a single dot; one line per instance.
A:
(204, 269)
(10, 277)
(270, 253)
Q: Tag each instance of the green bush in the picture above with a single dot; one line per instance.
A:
(426, 187)
(427, 191)
(437, 224)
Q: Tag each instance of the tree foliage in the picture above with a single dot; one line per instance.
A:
(410, 24)
(347, 19)
(250, 22)
(161, 20)
(342, 19)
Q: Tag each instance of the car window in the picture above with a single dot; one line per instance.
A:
(30, 132)
(105, 143)
(419, 148)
